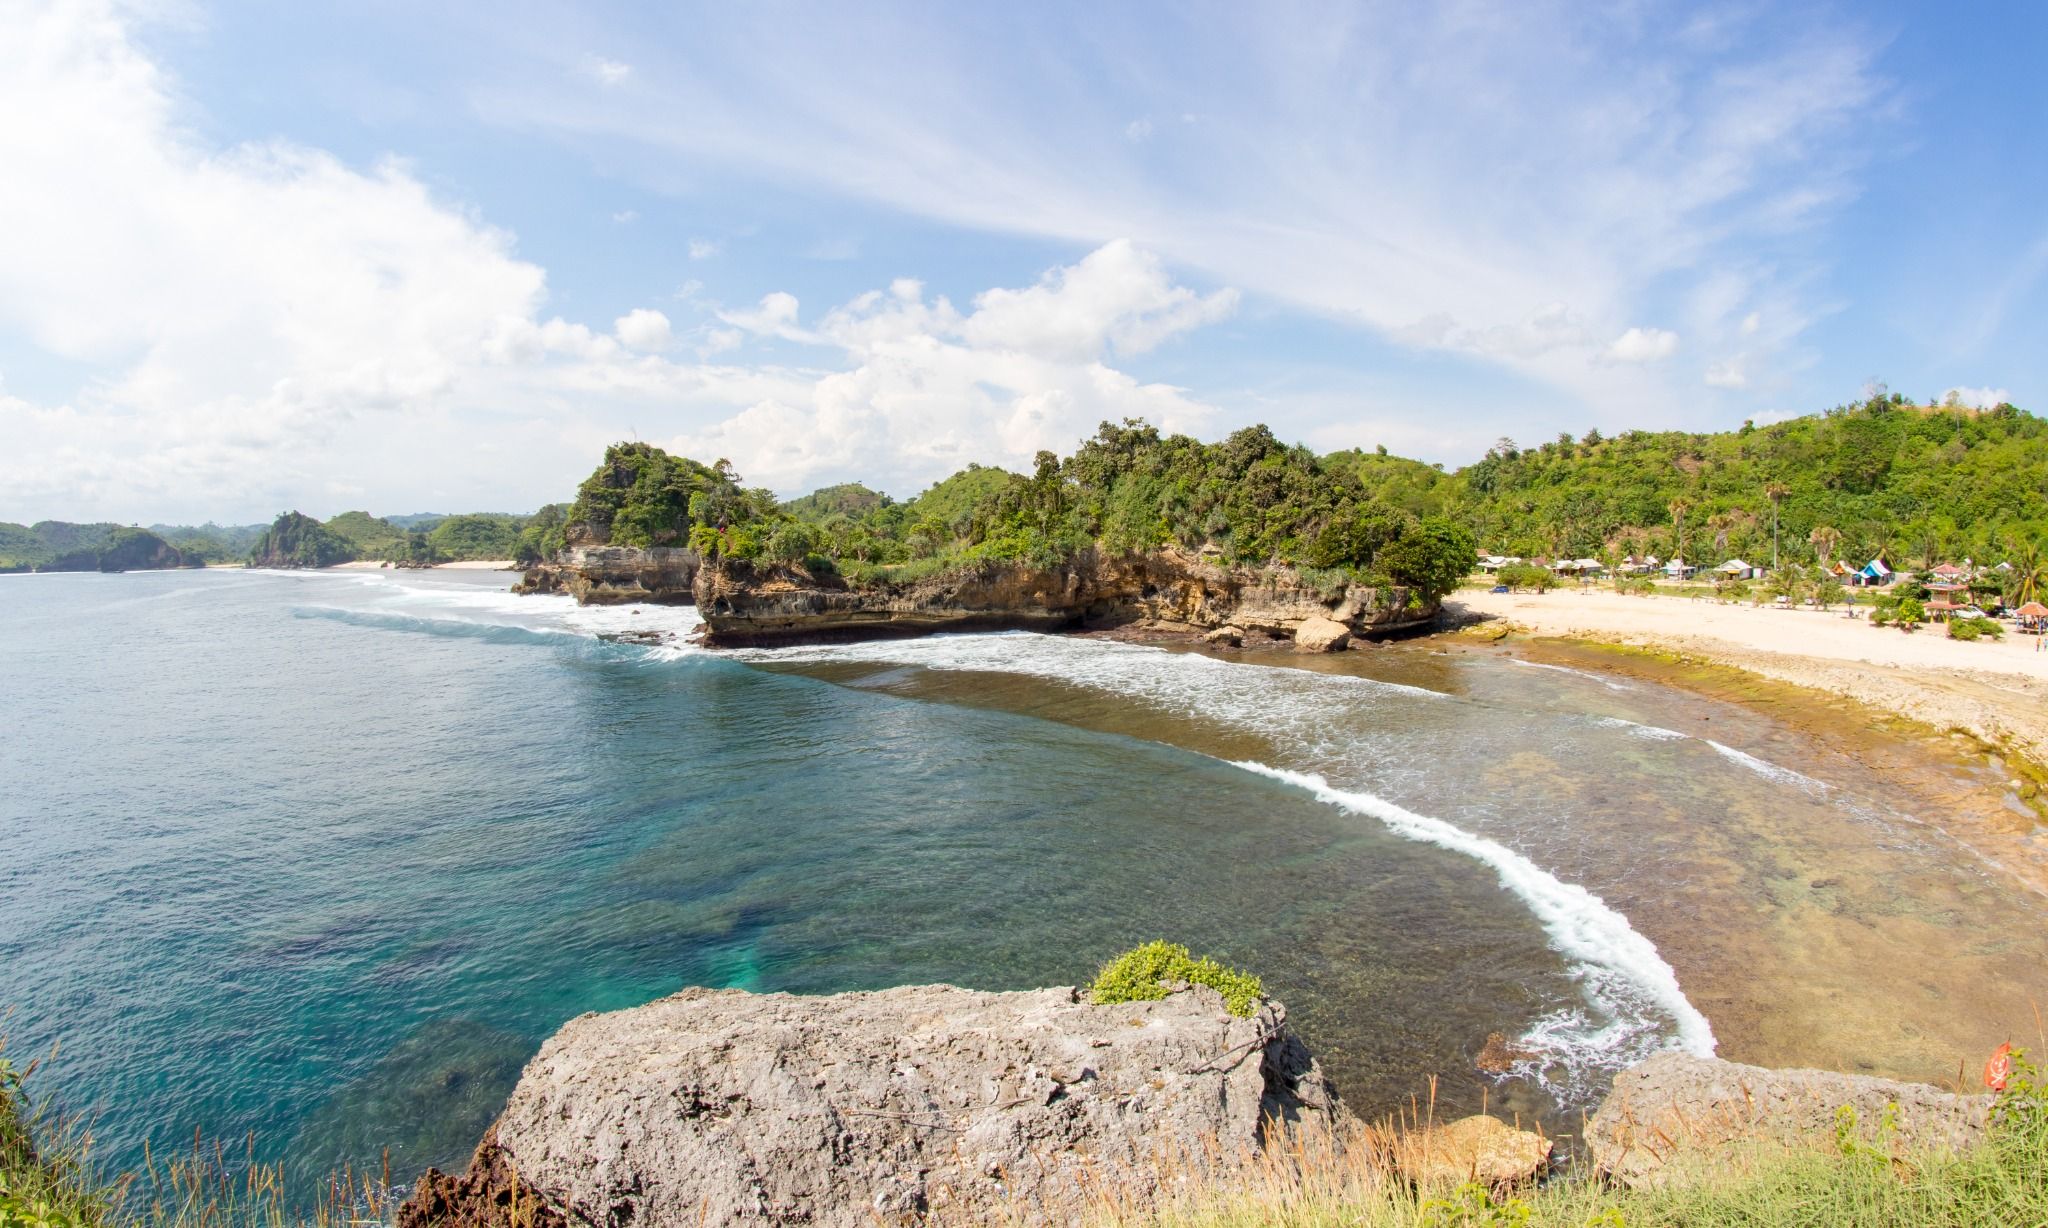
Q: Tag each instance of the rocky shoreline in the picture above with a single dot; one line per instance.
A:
(934, 1103)
(745, 604)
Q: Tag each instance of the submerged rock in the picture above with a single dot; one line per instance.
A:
(725, 1107)
(1227, 636)
(1676, 1116)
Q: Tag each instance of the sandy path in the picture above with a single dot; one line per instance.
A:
(1997, 691)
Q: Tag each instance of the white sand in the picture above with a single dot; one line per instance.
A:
(1995, 690)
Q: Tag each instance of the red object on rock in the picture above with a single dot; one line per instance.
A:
(1998, 1070)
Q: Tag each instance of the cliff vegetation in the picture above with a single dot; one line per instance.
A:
(55, 545)
(1913, 484)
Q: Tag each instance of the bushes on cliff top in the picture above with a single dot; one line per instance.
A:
(1144, 974)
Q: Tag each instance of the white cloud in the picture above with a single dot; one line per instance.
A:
(1138, 130)
(1642, 345)
(1117, 296)
(1979, 398)
(1727, 373)
(626, 216)
(705, 249)
(608, 72)
(930, 388)
(1751, 322)
(1627, 164)
(643, 329)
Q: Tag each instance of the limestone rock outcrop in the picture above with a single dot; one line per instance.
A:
(1321, 635)
(725, 1107)
(617, 575)
(747, 605)
(1676, 1115)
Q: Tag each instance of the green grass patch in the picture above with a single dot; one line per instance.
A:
(1148, 973)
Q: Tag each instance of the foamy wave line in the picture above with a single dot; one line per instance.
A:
(1655, 733)
(1623, 973)
(1768, 770)
(1566, 669)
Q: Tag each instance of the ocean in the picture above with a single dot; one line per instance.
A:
(317, 860)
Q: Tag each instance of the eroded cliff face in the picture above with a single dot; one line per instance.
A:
(746, 605)
(617, 575)
(925, 1103)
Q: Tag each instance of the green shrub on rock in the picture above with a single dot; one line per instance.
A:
(1147, 973)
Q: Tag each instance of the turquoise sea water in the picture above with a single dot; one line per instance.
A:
(321, 858)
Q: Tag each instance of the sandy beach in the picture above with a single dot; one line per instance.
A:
(1995, 690)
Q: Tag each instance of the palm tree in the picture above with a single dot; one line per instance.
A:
(2029, 578)
(1679, 507)
(1824, 539)
(1776, 493)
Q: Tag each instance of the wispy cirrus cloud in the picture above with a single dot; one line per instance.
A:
(1461, 178)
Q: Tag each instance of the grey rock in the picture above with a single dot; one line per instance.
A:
(1676, 1116)
(725, 1107)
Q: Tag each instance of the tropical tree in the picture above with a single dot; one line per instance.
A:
(1824, 539)
(1776, 493)
(2028, 579)
(1679, 507)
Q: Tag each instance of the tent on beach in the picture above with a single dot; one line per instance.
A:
(1874, 573)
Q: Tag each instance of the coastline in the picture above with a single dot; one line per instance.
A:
(1994, 692)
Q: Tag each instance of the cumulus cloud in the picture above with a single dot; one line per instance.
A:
(643, 328)
(929, 387)
(1642, 345)
(705, 249)
(1978, 398)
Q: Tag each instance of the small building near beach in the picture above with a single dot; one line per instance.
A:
(2032, 618)
(1874, 574)
(1679, 569)
(1737, 569)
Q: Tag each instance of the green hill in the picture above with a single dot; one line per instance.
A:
(295, 540)
(846, 499)
(369, 536)
(1915, 484)
(480, 535)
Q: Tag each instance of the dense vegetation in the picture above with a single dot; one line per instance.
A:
(54, 545)
(1912, 484)
(1248, 499)
(295, 540)
(1150, 972)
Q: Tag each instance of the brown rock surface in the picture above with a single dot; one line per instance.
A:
(1482, 1149)
(1321, 635)
(1676, 1115)
(725, 1107)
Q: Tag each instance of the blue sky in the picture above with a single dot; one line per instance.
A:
(258, 256)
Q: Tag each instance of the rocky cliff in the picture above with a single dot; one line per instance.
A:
(617, 575)
(743, 604)
(746, 604)
(720, 1107)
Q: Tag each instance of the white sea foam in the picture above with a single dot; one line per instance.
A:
(1655, 733)
(1768, 770)
(1609, 683)
(1305, 707)
(1634, 1005)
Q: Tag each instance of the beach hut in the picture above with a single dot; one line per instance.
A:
(1874, 574)
(1679, 569)
(2032, 617)
(1949, 573)
(1736, 569)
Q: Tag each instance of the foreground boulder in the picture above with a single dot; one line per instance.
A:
(1676, 1116)
(1321, 635)
(1482, 1149)
(725, 1107)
